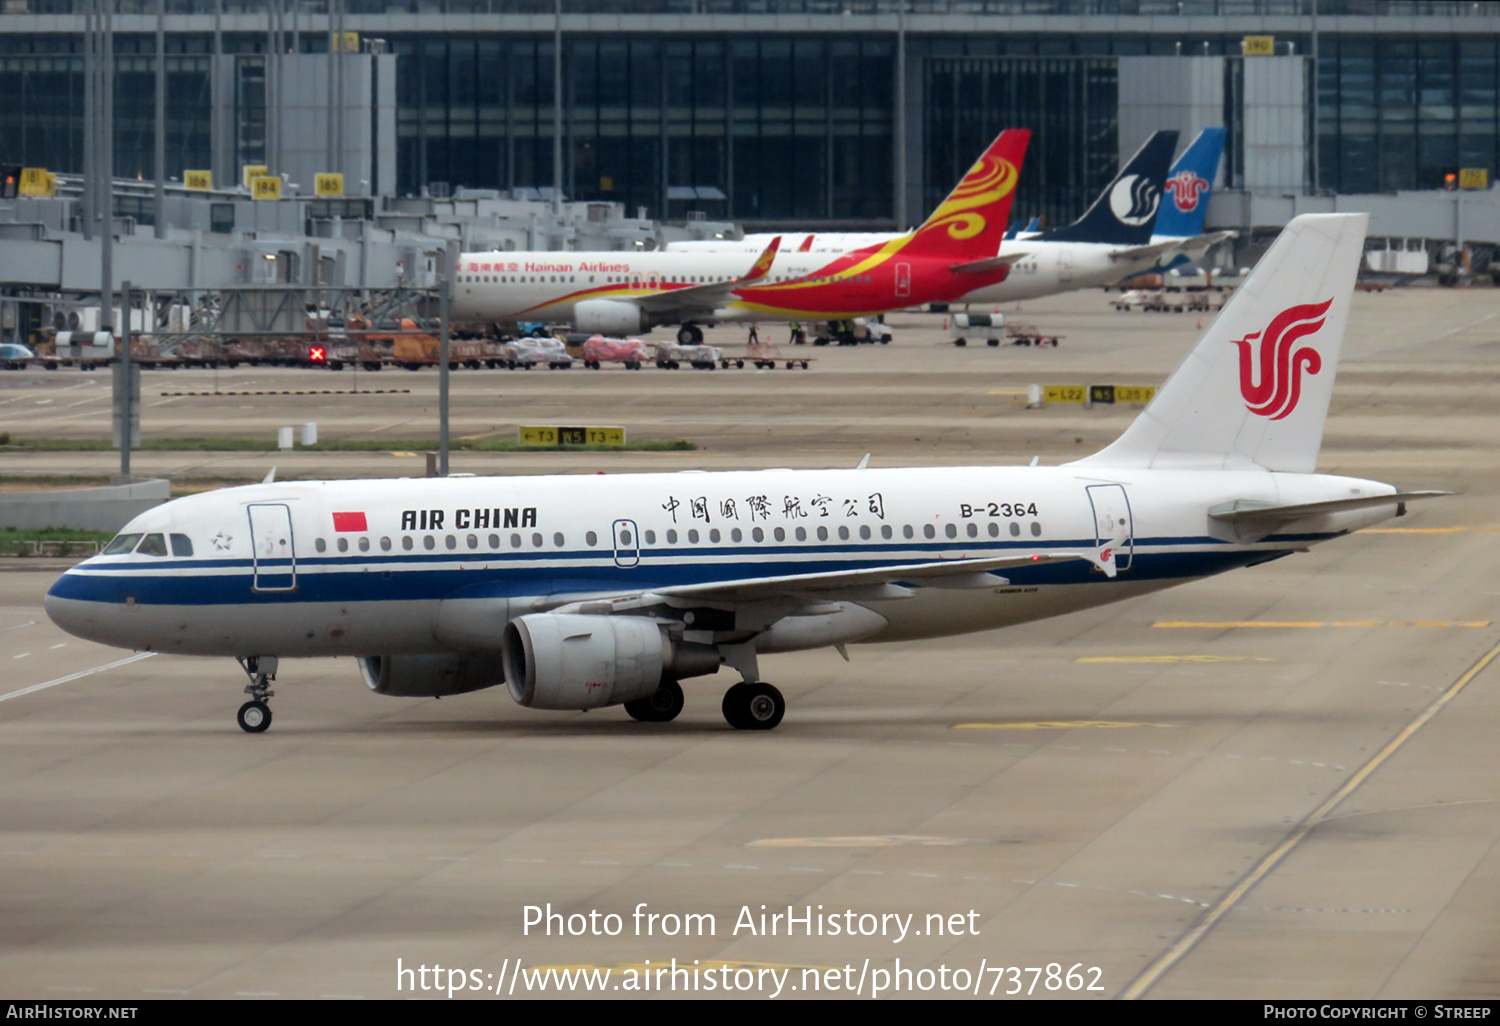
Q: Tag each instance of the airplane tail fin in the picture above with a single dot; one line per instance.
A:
(1254, 392)
(1125, 212)
(970, 223)
(1189, 186)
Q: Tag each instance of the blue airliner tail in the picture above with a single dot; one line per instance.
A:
(1125, 213)
(1189, 186)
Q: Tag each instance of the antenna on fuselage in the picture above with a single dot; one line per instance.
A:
(270, 478)
(864, 462)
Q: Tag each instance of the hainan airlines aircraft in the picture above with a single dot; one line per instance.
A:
(1129, 229)
(577, 592)
(954, 251)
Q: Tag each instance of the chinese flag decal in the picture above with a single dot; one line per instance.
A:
(350, 522)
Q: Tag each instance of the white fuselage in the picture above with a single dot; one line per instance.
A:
(440, 565)
(1047, 269)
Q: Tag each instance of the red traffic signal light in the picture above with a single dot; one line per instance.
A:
(317, 354)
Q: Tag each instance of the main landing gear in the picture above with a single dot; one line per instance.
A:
(757, 706)
(660, 706)
(255, 715)
(690, 335)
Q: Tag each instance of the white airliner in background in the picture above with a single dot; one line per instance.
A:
(584, 591)
(1117, 237)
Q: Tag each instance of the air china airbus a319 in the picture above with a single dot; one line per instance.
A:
(583, 591)
(953, 252)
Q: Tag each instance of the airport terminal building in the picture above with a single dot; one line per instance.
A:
(851, 112)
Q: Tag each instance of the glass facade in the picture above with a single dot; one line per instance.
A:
(768, 126)
(1401, 113)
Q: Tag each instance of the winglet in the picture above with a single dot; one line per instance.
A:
(762, 266)
(806, 244)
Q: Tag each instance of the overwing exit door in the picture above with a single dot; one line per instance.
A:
(1111, 513)
(627, 543)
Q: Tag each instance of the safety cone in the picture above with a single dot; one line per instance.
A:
(1200, 323)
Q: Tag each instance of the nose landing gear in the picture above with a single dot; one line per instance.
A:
(255, 715)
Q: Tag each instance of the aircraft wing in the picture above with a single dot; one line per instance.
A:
(712, 295)
(1243, 511)
(1193, 244)
(993, 263)
(876, 582)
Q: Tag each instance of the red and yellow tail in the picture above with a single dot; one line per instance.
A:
(970, 223)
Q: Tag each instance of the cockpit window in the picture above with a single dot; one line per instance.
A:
(152, 545)
(122, 544)
(182, 545)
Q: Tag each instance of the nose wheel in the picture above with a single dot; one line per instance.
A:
(758, 706)
(255, 715)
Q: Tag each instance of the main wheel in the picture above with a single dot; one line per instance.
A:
(254, 717)
(661, 706)
(697, 334)
(753, 706)
(685, 335)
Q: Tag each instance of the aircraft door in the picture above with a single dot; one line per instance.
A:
(627, 543)
(903, 279)
(1111, 512)
(275, 560)
(1064, 266)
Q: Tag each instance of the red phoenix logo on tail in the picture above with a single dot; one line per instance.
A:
(1279, 385)
(1186, 187)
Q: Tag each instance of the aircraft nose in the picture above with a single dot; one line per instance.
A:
(74, 604)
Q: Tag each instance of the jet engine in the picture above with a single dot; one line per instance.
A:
(613, 317)
(431, 676)
(570, 661)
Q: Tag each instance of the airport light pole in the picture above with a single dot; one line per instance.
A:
(161, 119)
(900, 210)
(445, 292)
(557, 99)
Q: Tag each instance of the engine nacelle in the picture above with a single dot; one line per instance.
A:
(571, 661)
(431, 676)
(609, 317)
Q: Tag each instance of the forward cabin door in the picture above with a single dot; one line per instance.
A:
(274, 557)
(1064, 267)
(1111, 510)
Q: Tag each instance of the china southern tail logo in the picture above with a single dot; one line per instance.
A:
(1274, 392)
(1133, 200)
(1186, 187)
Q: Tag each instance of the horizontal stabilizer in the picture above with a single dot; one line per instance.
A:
(1243, 511)
(987, 265)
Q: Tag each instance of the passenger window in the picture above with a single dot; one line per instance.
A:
(406, 542)
(1015, 530)
(364, 545)
(713, 535)
(843, 534)
(671, 537)
(907, 532)
(450, 541)
(822, 534)
(802, 534)
(994, 529)
(494, 541)
(693, 537)
(649, 535)
(928, 531)
(152, 545)
(182, 545)
(951, 530)
(429, 542)
(736, 535)
(780, 534)
(973, 530)
(591, 539)
(343, 544)
(885, 531)
(536, 541)
(624, 538)
(758, 534)
(559, 540)
(515, 541)
(473, 541)
(320, 545)
(1036, 530)
(385, 545)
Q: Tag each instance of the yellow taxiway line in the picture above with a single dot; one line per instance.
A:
(1174, 954)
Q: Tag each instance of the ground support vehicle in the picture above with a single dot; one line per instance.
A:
(765, 356)
(672, 355)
